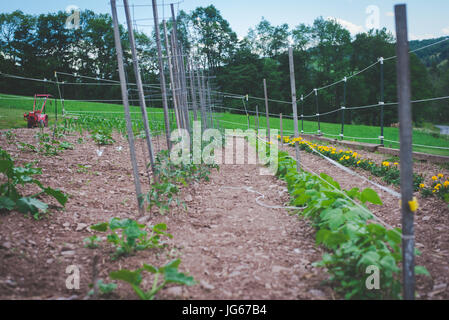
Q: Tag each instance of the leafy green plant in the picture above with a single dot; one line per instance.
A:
(22, 146)
(170, 175)
(10, 198)
(104, 289)
(133, 236)
(10, 136)
(169, 272)
(102, 137)
(92, 242)
(82, 168)
(343, 228)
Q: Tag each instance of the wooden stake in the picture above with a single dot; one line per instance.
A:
(266, 107)
(282, 131)
(172, 82)
(121, 68)
(142, 103)
(161, 74)
(294, 105)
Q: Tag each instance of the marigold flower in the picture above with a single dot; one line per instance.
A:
(422, 185)
(434, 178)
(440, 175)
(414, 205)
(446, 184)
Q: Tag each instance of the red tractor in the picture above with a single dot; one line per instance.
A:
(37, 117)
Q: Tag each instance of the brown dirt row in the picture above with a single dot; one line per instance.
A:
(232, 246)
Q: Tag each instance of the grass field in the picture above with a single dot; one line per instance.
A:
(13, 107)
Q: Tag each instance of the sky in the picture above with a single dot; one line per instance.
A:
(426, 19)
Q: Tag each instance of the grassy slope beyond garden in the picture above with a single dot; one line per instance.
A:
(13, 107)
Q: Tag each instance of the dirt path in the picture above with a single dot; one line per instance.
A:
(238, 249)
(232, 246)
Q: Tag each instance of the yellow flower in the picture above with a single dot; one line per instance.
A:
(414, 205)
(440, 175)
(446, 184)
(396, 164)
(386, 164)
(347, 157)
(422, 185)
(434, 178)
(359, 162)
(354, 155)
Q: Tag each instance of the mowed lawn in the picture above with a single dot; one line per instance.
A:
(13, 107)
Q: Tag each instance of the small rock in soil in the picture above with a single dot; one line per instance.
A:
(317, 293)
(174, 291)
(6, 245)
(206, 285)
(81, 226)
(68, 253)
(68, 247)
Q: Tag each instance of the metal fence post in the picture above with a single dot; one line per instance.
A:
(405, 131)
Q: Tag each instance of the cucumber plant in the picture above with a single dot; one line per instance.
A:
(104, 289)
(133, 236)
(10, 197)
(169, 272)
(344, 229)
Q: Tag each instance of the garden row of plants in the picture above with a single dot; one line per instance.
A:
(353, 243)
(388, 171)
(128, 237)
(14, 176)
(134, 237)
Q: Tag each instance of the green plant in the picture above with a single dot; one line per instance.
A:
(10, 136)
(22, 146)
(92, 242)
(133, 236)
(170, 176)
(102, 137)
(344, 228)
(169, 272)
(10, 197)
(104, 289)
(82, 169)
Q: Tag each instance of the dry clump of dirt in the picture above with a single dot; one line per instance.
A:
(233, 247)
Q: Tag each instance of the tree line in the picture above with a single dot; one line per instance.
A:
(36, 46)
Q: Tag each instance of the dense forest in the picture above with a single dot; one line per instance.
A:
(324, 52)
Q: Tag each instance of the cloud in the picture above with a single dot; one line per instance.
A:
(389, 14)
(445, 30)
(426, 36)
(353, 28)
